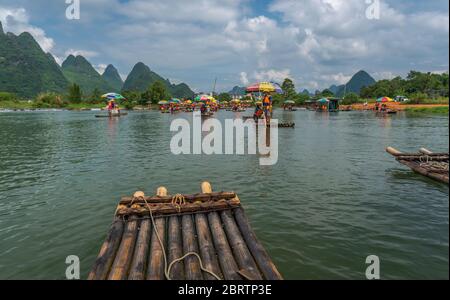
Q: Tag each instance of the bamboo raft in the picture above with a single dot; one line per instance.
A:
(426, 163)
(212, 225)
(112, 116)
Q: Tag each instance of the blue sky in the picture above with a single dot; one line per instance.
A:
(315, 42)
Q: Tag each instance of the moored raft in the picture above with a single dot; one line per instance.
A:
(426, 163)
(204, 236)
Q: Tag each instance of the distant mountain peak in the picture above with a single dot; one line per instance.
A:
(238, 91)
(80, 71)
(357, 82)
(111, 75)
(26, 69)
(141, 78)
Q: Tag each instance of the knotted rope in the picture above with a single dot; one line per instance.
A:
(177, 201)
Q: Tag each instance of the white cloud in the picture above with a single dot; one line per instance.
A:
(244, 78)
(272, 75)
(315, 42)
(100, 68)
(84, 53)
(16, 20)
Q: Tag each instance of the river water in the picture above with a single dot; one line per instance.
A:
(334, 197)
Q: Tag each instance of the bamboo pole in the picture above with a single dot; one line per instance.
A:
(156, 264)
(119, 270)
(192, 268)
(155, 269)
(169, 209)
(108, 251)
(241, 253)
(175, 247)
(207, 251)
(228, 265)
(263, 259)
(203, 197)
(425, 151)
(139, 263)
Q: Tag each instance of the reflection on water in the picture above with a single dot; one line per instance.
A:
(334, 197)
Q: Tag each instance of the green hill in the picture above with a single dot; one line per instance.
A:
(78, 70)
(141, 77)
(25, 69)
(357, 82)
(112, 77)
(238, 91)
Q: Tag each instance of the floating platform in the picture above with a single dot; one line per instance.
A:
(426, 163)
(204, 236)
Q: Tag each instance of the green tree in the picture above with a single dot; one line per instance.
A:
(224, 97)
(302, 98)
(96, 96)
(327, 93)
(132, 96)
(155, 93)
(75, 93)
(288, 87)
(350, 98)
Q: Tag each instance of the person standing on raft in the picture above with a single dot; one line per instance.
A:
(267, 104)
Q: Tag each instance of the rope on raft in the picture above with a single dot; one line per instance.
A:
(177, 201)
(427, 162)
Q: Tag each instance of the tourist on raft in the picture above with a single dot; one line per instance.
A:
(258, 112)
(267, 104)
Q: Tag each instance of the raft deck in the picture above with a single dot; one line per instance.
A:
(426, 163)
(213, 225)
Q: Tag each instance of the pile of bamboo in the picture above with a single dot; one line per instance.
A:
(213, 225)
(426, 163)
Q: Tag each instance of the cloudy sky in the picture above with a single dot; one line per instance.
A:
(315, 42)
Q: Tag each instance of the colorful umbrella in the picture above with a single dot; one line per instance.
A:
(384, 100)
(163, 102)
(205, 98)
(289, 102)
(323, 101)
(264, 87)
(113, 96)
(188, 102)
(175, 100)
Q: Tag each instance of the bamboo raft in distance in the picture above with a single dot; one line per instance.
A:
(112, 116)
(214, 225)
(426, 163)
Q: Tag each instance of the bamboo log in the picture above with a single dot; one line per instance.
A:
(169, 209)
(108, 251)
(263, 259)
(425, 151)
(242, 255)
(423, 157)
(228, 265)
(396, 153)
(175, 246)
(416, 168)
(203, 197)
(207, 251)
(155, 269)
(139, 263)
(192, 268)
(119, 270)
